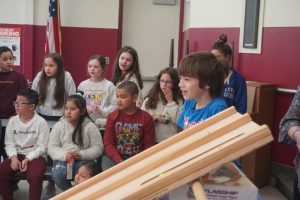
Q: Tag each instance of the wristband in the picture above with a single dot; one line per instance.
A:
(294, 133)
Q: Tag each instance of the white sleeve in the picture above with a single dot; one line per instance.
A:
(80, 87)
(42, 142)
(54, 145)
(112, 101)
(10, 144)
(35, 82)
(70, 87)
(95, 149)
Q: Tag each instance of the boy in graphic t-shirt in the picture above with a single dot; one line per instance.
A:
(129, 130)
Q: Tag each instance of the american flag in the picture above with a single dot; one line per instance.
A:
(53, 37)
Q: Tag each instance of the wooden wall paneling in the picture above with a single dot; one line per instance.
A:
(256, 164)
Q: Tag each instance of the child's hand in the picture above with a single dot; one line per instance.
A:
(97, 110)
(76, 155)
(15, 163)
(89, 110)
(155, 118)
(168, 94)
(24, 165)
(69, 155)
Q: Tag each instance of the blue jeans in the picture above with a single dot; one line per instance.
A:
(59, 173)
(107, 162)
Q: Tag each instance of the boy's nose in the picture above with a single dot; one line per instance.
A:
(180, 84)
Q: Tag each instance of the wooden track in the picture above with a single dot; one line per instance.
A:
(176, 161)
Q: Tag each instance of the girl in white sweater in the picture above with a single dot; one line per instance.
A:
(54, 85)
(74, 140)
(164, 102)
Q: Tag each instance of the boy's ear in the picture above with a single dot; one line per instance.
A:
(135, 98)
(32, 106)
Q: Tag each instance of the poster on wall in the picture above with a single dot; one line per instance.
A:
(11, 37)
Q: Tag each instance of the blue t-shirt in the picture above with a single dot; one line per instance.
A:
(235, 92)
(189, 116)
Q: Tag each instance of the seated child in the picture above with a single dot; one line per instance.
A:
(235, 88)
(201, 83)
(74, 140)
(129, 130)
(11, 82)
(26, 141)
(86, 171)
(164, 102)
(98, 92)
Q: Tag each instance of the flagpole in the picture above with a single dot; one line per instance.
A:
(58, 13)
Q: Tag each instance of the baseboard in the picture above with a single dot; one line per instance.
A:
(285, 170)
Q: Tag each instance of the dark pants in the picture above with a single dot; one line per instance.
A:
(296, 190)
(35, 172)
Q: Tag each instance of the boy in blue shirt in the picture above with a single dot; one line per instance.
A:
(201, 83)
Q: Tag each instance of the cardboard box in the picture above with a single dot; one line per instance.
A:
(224, 183)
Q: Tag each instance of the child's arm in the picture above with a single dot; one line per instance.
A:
(95, 149)
(149, 133)
(111, 104)
(110, 141)
(289, 120)
(240, 97)
(70, 85)
(10, 146)
(42, 141)
(35, 82)
(54, 145)
(10, 143)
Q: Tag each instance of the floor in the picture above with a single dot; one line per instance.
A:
(267, 192)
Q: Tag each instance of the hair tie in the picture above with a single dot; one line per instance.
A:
(80, 93)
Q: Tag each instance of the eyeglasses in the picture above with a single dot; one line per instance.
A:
(17, 103)
(166, 82)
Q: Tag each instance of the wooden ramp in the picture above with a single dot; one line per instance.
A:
(176, 161)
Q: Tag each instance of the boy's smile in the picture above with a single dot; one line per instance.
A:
(189, 87)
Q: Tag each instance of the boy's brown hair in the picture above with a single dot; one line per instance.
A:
(207, 69)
